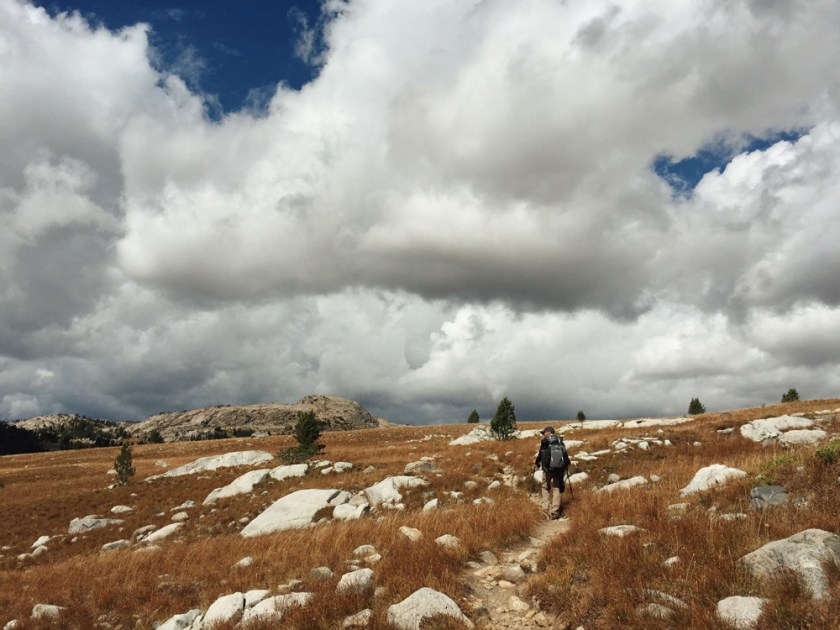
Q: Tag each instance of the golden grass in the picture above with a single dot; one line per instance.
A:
(587, 579)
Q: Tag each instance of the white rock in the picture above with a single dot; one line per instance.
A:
(46, 611)
(359, 620)
(341, 467)
(43, 540)
(186, 505)
(286, 472)
(163, 532)
(478, 434)
(411, 533)
(624, 484)
(180, 517)
(226, 609)
(347, 512)
(121, 509)
(515, 604)
(448, 541)
(360, 580)
(431, 505)
(255, 596)
(655, 478)
(87, 523)
(711, 476)
(275, 606)
(117, 544)
(578, 477)
(226, 460)
(673, 560)
(245, 562)
(769, 429)
(494, 485)
(741, 612)
(620, 530)
(241, 485)
(802, 436)
(613, 478)
(423, 604)
(181, 622)
(294, 511)
(803, 553)
(39, 551)
(14, 624)
(388, 490)
(364, 550)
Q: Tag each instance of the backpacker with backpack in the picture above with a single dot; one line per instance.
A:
(556, 457)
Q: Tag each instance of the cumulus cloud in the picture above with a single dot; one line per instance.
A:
(460, 206)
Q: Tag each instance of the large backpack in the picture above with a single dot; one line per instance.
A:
(556, 454)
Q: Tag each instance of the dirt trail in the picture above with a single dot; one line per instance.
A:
(497, 584)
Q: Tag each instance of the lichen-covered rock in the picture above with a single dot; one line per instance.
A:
(803, 553)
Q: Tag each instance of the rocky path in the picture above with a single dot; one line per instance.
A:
(497, 584)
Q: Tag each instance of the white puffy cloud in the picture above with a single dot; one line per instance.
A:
(460, 206)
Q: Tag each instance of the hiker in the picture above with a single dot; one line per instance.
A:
(554, 461)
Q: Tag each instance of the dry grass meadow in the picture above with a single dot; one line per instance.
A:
(584, 580)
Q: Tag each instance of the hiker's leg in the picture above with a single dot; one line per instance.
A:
(556, 480)
(546, 493)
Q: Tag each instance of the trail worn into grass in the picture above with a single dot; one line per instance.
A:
(498, 584)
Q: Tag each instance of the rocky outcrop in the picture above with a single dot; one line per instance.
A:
(336, 413)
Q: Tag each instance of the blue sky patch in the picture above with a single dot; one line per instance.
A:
(683, 175)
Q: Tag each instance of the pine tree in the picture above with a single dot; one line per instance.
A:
(695, 407)
(503, 423)
(791, 395)
(581, 416)
(307, 432)
(123, 465)
(307, 429)
(473, 417)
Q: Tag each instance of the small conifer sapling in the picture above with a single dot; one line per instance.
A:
(503, 424)
(123, 465)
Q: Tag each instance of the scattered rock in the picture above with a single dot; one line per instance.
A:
(46, 611)
(181, 622)
(431, 505)
(226, 609)
(423, 604)
(364, 550)
(275, 606)
(768, 430)
(293, 511)
(87, 523)
(741, 612)
(411, 533)
(625, 484)
(766, 496)
(321, 574)
(620, 530)
(359, 620)
(163, 532)
(422, 467)
(711, 476)
(121, 509)
(245, 562)
(117, 544)
(288, 471)
(347, 512)
(42, 540)
(388, 490)
(180, 517)
(448, 541)
(360, 580)
(243, 484)
(255, 596)
(804, 553)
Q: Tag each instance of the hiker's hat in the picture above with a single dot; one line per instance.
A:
(548, 430)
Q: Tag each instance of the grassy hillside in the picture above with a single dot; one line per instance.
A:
(583, 578)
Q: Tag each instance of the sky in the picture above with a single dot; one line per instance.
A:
(424, 206)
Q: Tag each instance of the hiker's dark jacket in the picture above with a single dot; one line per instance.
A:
(544, 455)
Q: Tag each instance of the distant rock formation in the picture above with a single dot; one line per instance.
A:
(336, 413)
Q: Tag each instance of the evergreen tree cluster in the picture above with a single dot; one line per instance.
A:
(790, 395)
(503, 424)
(696, 407)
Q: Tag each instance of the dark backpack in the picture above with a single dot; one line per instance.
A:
(556, 454)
